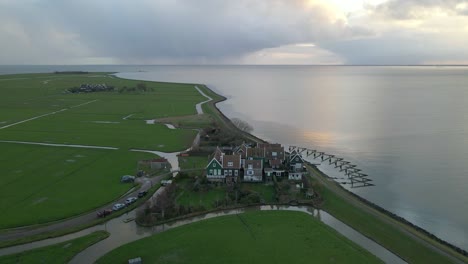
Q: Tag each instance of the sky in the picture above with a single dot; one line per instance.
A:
(382, 32)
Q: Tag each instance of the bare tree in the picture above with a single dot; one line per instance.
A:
(242, 125)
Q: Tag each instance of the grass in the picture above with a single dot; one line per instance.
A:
(267, 191)
(40, 184)
(193, 162)
(58, 253)
(207, 199)
(253, 237)
(101, 121)
(383, 233)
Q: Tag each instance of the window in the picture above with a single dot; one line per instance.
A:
(250, 172)
(219, 172)
(214, 164)
(274, 154)
(250, 166)
(211, 172)
(230, 172)
(236, 172)
(230, 163)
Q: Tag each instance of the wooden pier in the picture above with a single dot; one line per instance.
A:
(354, 175)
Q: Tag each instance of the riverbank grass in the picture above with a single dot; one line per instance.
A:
(373, 225)
(253, 237)
(58, 253)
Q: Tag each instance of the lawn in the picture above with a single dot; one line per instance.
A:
(193, 162)
(58, 253)
(207, 199)
(253, 237)
(39, 184)
(267, 191)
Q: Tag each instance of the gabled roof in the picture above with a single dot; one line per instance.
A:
(213, 160)
(297, 155)
(218, 155)
(256, 164)
(235, 160)
(255, 152)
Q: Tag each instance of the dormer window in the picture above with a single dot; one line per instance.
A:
(250, 166)
(230, 163)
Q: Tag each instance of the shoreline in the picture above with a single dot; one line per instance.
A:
(421, 233)
(415, 230)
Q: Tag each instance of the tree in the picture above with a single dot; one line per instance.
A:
(242, 125)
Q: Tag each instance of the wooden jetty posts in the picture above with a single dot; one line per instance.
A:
(356, 177)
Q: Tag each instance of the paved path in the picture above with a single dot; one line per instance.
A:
(51, 113)
(199, 105)
(57, 145)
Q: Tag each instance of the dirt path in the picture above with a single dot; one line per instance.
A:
(332, 186)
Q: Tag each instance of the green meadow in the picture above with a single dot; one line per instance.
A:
(39, 184)
(253, 237)
(58, 253)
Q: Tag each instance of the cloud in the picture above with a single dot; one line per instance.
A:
(147, 31)
(419, 9)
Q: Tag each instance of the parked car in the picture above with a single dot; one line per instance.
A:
(104, 213)
(142, 193)
(117, 206)
(127, 178)
(130, 200)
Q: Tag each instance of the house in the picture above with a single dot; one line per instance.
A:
(214, 169)
(160, 163)
(253, 171)
(224, 168)
(296, 164)
(231, 167)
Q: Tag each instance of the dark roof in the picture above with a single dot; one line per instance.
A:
(235, 159)
(256, 164)
(159, 160)
(255, 152)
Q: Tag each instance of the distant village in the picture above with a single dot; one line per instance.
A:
(256, 163)
(91, 88)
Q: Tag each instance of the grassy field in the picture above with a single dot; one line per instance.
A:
(254, 237)
(267, 192)
(59, 253)
(102, 118)
(374, 227)
(39, 184)
(193, 162)
(207, 199)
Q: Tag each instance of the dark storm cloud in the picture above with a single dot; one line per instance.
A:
(398, 48)
(180, 29)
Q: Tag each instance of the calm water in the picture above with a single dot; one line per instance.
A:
(407, 127)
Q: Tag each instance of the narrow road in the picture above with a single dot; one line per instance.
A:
(17, 233)
(199, 105)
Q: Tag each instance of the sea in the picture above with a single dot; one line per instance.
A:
(406, 127)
